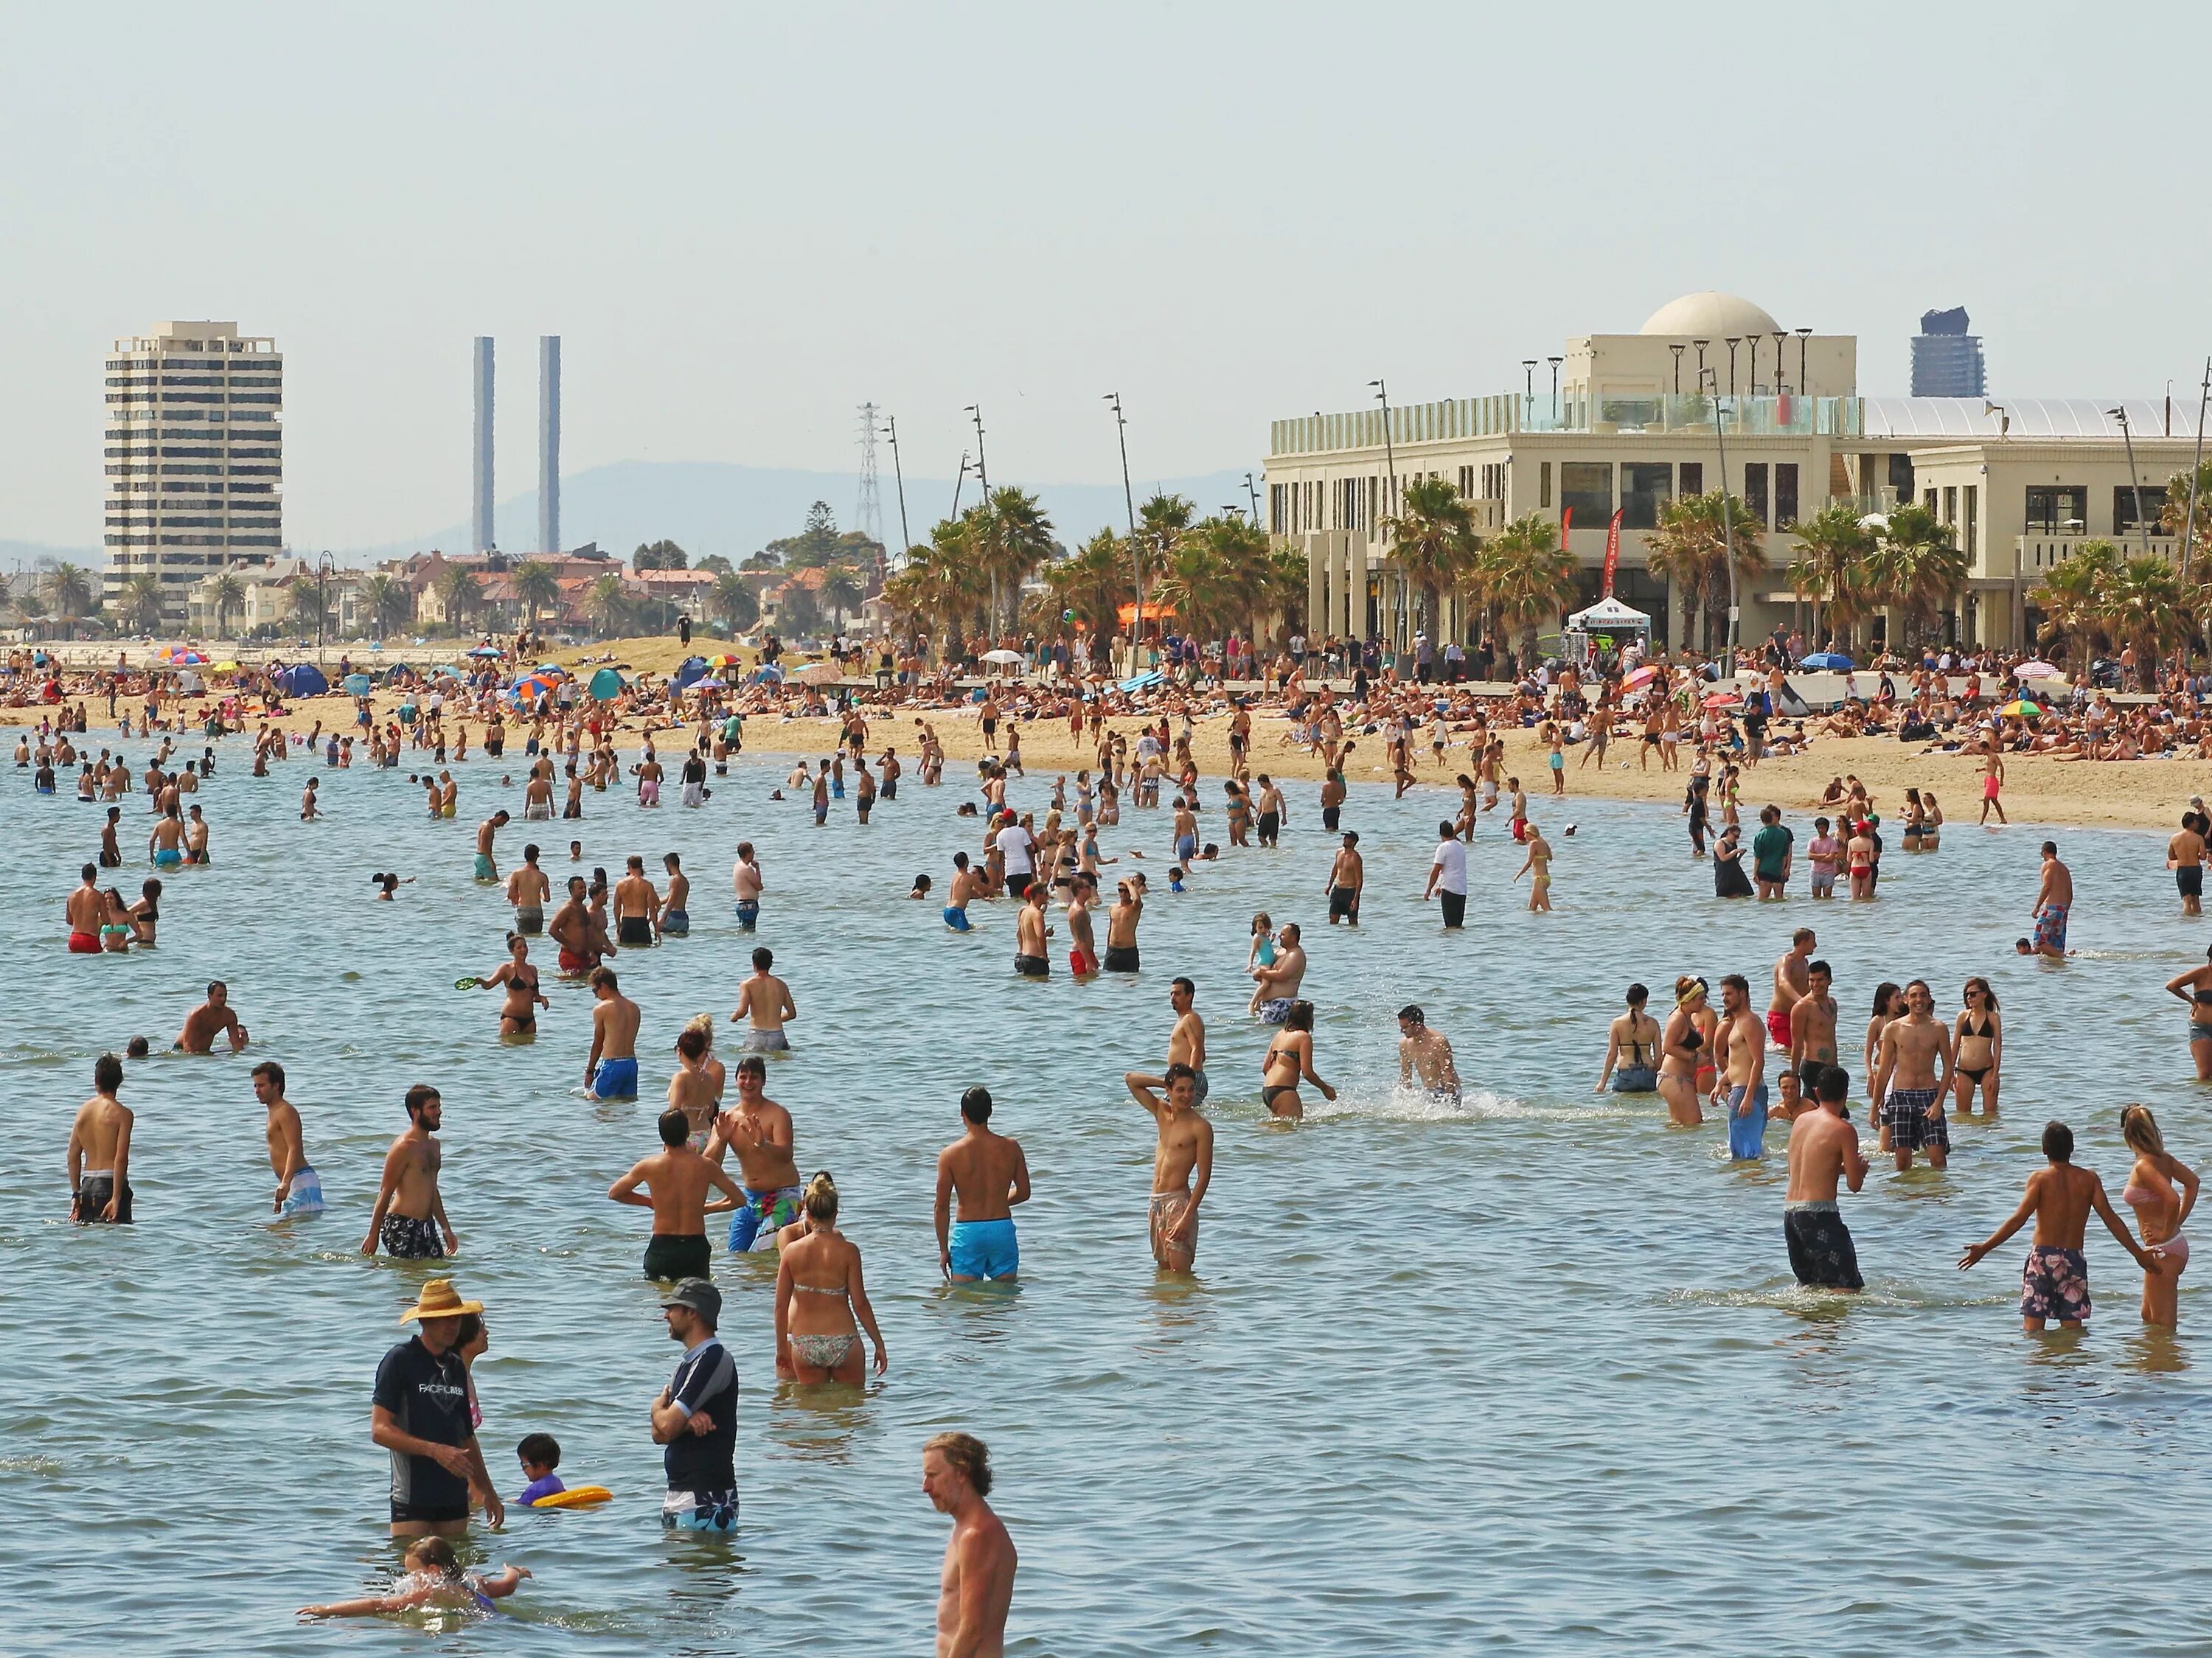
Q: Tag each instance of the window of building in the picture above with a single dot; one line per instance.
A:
(1754, 488)
(2058, 509)
(1973, 520)
(1544, 484)
(1693, 477)
(1785, 492)
(1901, 475)
(1586, 490)
(1950, 503)
(2125, 522)
(1646, 486)
(1493, 481)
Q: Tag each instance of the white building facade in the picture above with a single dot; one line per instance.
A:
(195, 462)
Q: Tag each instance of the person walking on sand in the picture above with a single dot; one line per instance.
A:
(1992, 779)
(2055, 1279)
(975, 1586)
(989, 1174)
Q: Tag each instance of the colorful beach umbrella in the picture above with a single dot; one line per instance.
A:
(2020, 708)
(724, 660)
(531, 688)
(1643, 676)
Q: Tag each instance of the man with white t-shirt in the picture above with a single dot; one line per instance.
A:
(1018, 845)
(1448, 876)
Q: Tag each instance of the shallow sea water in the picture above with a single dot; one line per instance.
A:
(1528, 1374)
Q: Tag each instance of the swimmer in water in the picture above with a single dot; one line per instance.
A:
(434, 1578)
(765, 1000)
(1428, 1052)
(610, 1070)
(518, 1015)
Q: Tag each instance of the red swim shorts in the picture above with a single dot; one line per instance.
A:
(84, 943)
(572, 963)
(1777, 1026)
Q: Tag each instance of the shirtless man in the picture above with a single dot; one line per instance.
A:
(1122, 928)
(86, 909)
(411, 1213)
(1740, 1055)
(636, 906)
(215, 1014)
(1272, 810)
(990, 1175)
(1031, 935)
(1428, 1052)
(745, 882)
(1186, 1041)
(99, 1151)
(1274, 988)
(1790, 981)
(1082, 950)
(1909, 1089)
(196, 835)
(486, 869)
(299, 1188)
(967, 885)
(1824, 1148)
(610, 1072)
(527, 889)
(1347, 873)
(2054, 898)
(759, 1130)
(2055, 1283)
(571, 929)
(2184, 856)
(676, 1178)
(1992, 780)
(675, 918)
(1813, 1025)
(976, 1586)
(1185, 1145)
(765, 1000)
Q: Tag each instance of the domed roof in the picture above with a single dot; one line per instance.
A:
(1710, 316)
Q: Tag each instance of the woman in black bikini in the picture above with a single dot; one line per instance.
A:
(1631, 1049)
(518, 1015)
(1681, 1052)
(1979, 1034)
(1290, 1057)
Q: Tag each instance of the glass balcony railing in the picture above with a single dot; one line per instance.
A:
(1764, 416)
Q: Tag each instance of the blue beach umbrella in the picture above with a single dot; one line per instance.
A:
(1832, 661)
(356, 684)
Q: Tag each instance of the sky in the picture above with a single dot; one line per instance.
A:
(745, 221)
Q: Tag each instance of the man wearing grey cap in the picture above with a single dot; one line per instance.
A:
(695, 1415)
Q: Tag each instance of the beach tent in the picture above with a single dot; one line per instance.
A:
(607, 684)
(688, 671)
(302, 679)
(1606, 628)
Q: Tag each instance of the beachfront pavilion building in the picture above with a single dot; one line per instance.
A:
(1640, 419)
(195, 457)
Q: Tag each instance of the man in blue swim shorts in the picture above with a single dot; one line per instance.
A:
(759, 1132)
(610, 1073)
(745, 881)
(990, 1175)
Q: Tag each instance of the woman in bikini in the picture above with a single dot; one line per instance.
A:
(1979, 1034)
(518, 1015)
(1290, 1057)
(1911, 838)
(821, 1303)
(1888, 1004)
(2195, 987)
(1931, 821)
(1631, 1049)
(2161, 1211)
(1685, 1067)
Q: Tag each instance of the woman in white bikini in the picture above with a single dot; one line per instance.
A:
(821, 1304)
(2162, 1189)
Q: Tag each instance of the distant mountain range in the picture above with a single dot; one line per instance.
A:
(711, 507)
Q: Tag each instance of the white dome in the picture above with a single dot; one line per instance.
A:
(1710, 316)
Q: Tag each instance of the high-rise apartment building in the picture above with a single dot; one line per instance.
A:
(483, 531)
(1947, 361)
(548, 443)
(195, 449)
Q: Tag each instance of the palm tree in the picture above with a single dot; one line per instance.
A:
(2072, 595)
(142, 598)
(2145, 604)
(732, 599)
(1917, 568)
(1691, 547)
(1013, 536)
(1161, 522)
(1244, 552)
(311, 602)
(1194, 584)
(1091, 584)
(68, 590)
(2175, 508)
(228, 593)
(607, 604)
(538, 587)
(388, 603)
(1433, 544)
(1832, 573)
(1524, 577)
(842, 589)
(462, 597)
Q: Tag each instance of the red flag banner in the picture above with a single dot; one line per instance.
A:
(1566, 523)
(1612, 552)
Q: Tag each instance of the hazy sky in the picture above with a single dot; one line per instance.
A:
(744, 220)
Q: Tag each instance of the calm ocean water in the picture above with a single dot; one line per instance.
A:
(1530, 1374)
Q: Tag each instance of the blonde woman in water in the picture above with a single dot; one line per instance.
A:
(1685, 1048)
(821, 1303)
(2162, 1189)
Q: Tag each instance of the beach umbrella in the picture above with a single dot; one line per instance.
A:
(1642, 676)
(356, 684)
(607, 684)
(1008, 658)
(226, 667)
(1829, 661)
(710, 684)
(529, 689)
(2020, 708)
(2037, 671)
(1725, 699)
(818, 673)
(486, 649)
(724, 660)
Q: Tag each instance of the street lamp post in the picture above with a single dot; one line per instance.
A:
(957, 482)
(1389, 459)
(1804, 383)
(1129, 498)
(1253, 490)
(1728, 522)
(1555, 362)
(1677, 350)
(906, 536)
(1779, 336)
(2196, 466)
(1529, 378)
(1733, 343)
(2134, 479)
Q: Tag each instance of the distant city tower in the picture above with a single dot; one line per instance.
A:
(1947, 361)
(548, 443)
(481, 536)
(868, 513)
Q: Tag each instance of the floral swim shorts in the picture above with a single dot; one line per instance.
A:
(2054, 1283)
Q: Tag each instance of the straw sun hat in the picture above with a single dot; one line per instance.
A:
(439, 1299)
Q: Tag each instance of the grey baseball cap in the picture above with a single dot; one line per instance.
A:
(700, 1295)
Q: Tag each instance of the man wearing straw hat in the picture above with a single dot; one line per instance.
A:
(421, 1415)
